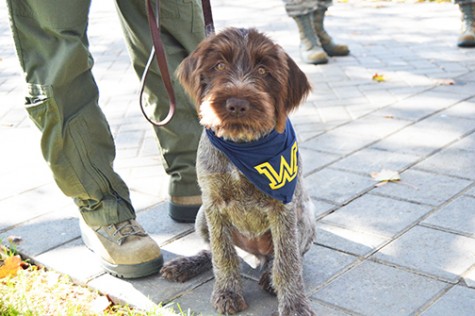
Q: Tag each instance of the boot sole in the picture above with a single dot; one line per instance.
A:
(183, 213)
(466, 44)
(333, 53)
(135, 271)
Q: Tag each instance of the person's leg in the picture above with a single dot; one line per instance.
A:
(52, 46)
(467, 8)
(301, 11)
(182, 28)
(328, 45)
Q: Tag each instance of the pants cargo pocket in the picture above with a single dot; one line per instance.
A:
(44, 112)
(38, 106)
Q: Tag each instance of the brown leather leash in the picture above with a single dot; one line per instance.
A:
(208, 17)
(159, 53)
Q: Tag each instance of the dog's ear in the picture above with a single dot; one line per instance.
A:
(298, 87)
(188, 73)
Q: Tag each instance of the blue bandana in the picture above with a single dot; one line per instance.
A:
(270, 163)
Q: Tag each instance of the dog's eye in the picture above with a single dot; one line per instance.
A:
(220, 67)
(261, 71)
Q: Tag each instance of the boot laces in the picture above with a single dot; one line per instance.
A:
(123, 230)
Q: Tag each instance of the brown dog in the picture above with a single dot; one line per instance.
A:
(245, 86)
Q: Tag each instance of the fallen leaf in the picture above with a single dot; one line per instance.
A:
(99, 305)
(445, 82)
(10, 266)
(14, 239)
(379, 77)
(385, 176)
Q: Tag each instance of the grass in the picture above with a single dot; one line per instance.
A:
(31, 290)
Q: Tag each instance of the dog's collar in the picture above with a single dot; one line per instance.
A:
(270, 163)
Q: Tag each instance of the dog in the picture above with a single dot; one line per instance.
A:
(245, 86)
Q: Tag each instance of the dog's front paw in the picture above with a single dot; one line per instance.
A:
(228, 302)
(176, 270)
(297, 310)
(185, 268)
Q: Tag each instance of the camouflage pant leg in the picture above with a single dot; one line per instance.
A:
(302, 7)
(463, 1)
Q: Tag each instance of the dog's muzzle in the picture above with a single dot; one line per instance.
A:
(237, 107)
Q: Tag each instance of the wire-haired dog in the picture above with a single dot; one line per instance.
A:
(245, 86)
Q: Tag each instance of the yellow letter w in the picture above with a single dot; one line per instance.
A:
(286, 173)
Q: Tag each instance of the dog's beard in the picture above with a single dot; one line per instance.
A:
(258, 122)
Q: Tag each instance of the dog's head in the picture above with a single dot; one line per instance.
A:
(244, 85)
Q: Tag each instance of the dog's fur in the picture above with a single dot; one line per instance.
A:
(245, 86)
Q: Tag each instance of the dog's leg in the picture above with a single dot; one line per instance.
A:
(287, 269)
(265, 281)
(227, 295)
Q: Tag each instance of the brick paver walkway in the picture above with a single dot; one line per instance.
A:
(399, 249)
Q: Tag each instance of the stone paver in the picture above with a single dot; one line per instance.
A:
(456, 216)
(420, 106)
(424, 187)
(370, 214)
(349, 241)
(47, 231)
(461, 163)
(466, 143)
(418, 140)
(404, 248)
(376, 289)
(469, 278)
(338, 142)
(369, 160)
(259, 303)
(337, 186)
(459, 299)
(82, 265)
(438, 253)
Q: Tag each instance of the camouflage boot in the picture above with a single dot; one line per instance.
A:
(328, 45)
(311, 51)
(467, 38)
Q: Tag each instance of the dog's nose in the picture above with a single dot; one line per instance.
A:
(236, 106)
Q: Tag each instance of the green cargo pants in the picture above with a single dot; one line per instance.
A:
(52, 45)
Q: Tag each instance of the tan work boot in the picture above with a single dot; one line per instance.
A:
(125, 249)
(311, 51)
(183, 209)
(328, 45)
(467, 38)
